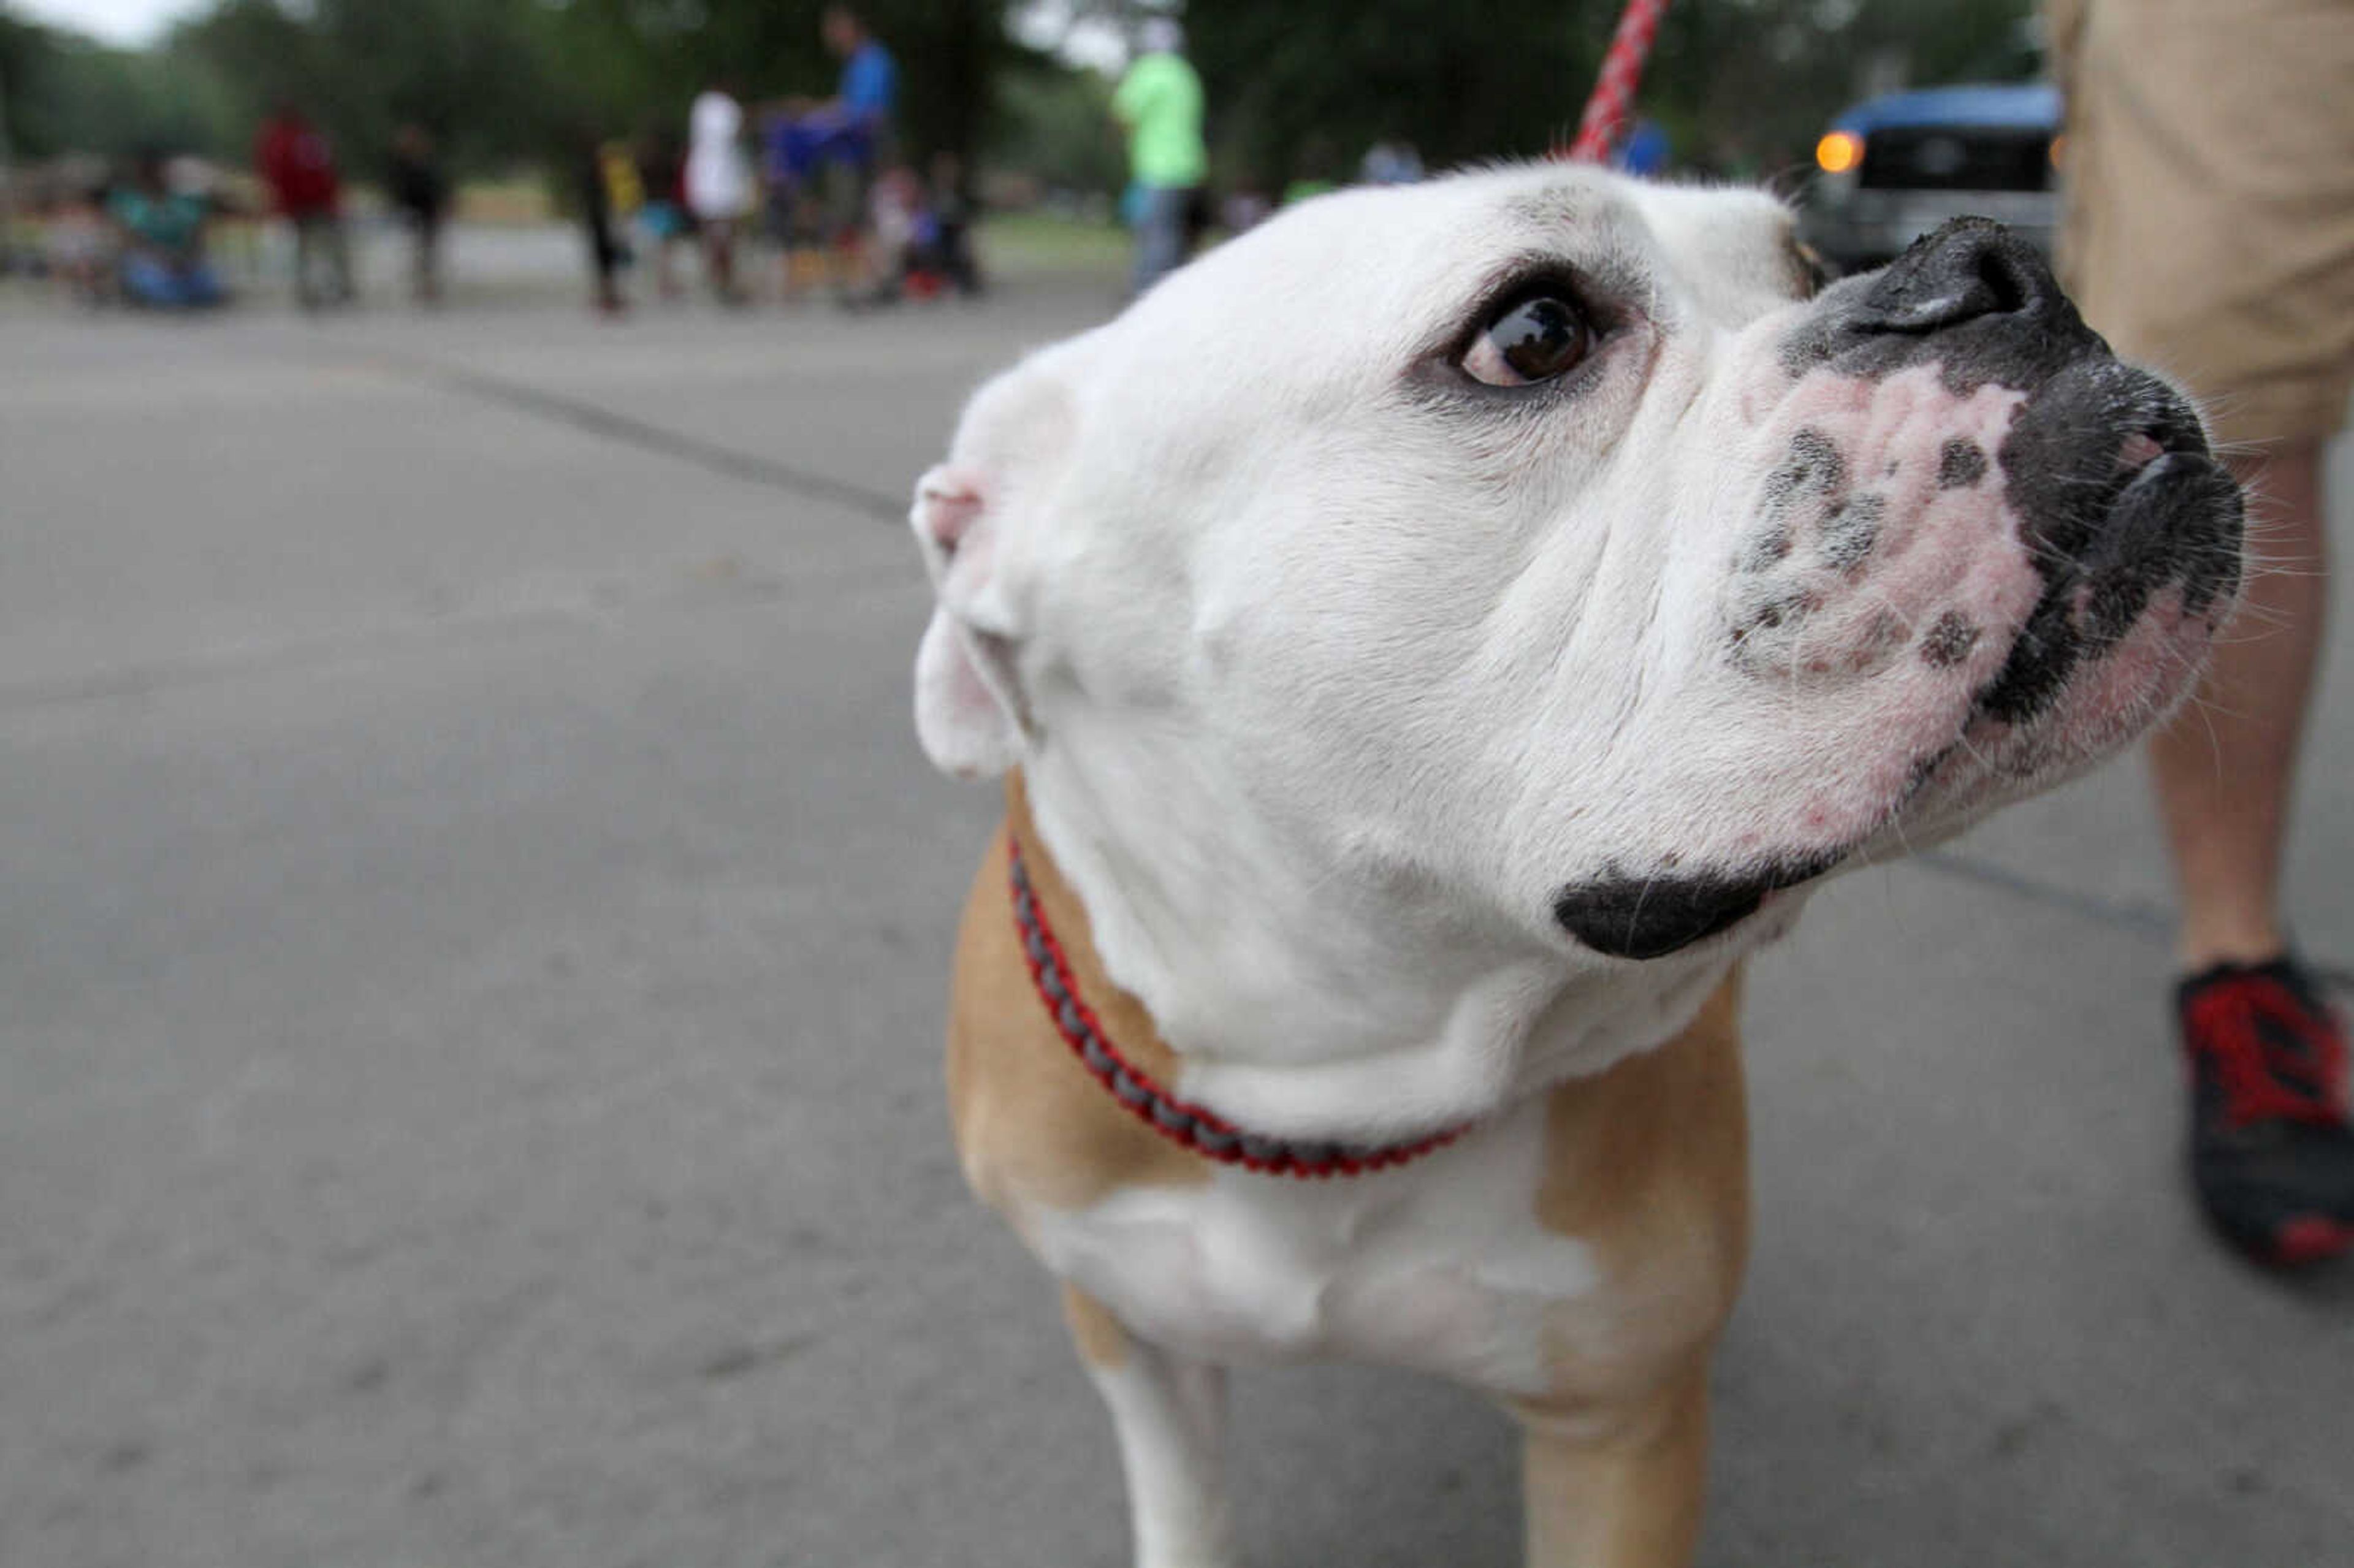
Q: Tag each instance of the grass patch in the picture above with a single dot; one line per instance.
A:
(1039, 241)
(520, 201)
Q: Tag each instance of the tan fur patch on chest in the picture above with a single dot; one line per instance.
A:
(1567, 1249)
(1032, 1126)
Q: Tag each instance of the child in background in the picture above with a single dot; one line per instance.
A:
(947, 249)
(76, 246)
(719, 184)
(624, 194)
(607, 254)
(893, 212)
(419, 190)
(163, 240)
(663, 220)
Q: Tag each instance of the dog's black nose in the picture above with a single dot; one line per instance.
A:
(1973, 299)
(1969, 269)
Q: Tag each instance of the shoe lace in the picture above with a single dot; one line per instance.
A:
(2275, 1058)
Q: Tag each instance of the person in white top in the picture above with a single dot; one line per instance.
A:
(718, 181)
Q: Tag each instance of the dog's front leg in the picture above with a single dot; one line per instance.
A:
(1169, 1412)
(1621, 1492)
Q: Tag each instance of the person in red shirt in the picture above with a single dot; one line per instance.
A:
(297, 163)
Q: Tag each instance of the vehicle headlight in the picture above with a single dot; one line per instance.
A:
(1838, 151)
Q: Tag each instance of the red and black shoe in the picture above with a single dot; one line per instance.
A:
(2272, 1152)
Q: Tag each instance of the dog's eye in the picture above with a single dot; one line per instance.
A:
(1534, 338)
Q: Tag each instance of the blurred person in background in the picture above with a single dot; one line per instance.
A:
(868, 95)
(1246, 206)
(592, 189)
(1392, 160)
(419, 192)
(2208, 231)
(663, 220)
(295, 161)
(718, 183)
(786, 166)
(862, 117)
(1644, 149)
(78, 245)
(795, 149)
(1158, 106)
(947, 249)
(897, 212)
(162, 237)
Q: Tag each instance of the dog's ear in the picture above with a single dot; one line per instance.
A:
(980, 519)
(969, 709)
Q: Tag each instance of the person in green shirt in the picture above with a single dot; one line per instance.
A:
(1158, 104)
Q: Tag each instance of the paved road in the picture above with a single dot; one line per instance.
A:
(473, 946)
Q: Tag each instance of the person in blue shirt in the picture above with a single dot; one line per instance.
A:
(865, 105)
(868, 94)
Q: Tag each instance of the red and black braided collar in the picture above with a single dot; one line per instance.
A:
(1202, 1131)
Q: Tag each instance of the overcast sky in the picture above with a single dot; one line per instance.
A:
(116, 21)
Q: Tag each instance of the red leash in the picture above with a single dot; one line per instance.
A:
(1614, 93)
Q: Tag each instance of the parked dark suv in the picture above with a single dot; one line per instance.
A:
(1894, 168)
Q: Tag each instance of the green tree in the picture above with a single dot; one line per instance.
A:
(1302, 89)
(469, 69)
(63, 92)
(1054, 124)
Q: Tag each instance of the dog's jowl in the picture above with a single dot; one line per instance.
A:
(1427, 642)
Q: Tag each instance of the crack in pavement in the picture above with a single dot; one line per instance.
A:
(594, 611)
(2134, 917)
(608, 424)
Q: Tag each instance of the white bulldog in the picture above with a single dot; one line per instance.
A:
(1435, 636)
